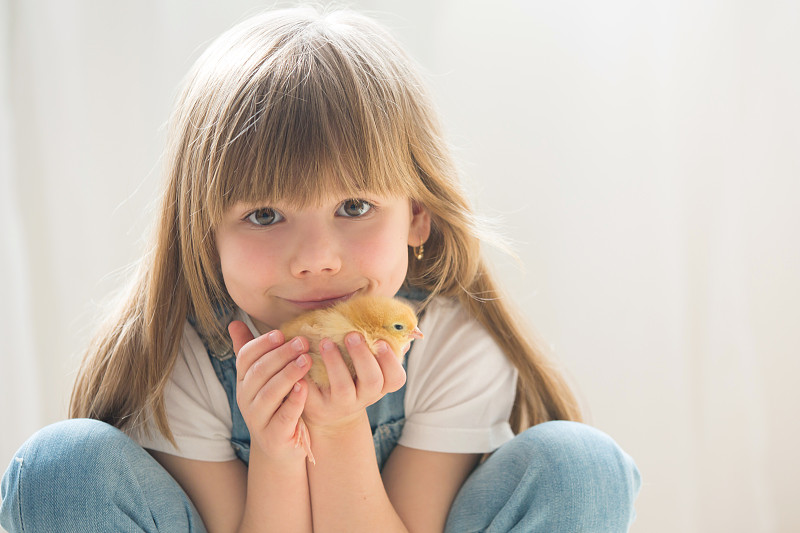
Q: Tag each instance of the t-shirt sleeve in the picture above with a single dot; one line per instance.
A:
(197, 408)
(460, 387)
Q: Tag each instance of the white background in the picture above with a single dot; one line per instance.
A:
(643, 156)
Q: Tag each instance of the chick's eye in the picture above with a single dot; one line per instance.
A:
(399, 327)
(264, 217)
(354, 207)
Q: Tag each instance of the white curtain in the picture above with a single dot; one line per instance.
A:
(644, 157)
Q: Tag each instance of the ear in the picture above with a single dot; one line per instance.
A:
(420, 228)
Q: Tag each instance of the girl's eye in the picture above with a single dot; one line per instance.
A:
(264, 217)
(354, 208)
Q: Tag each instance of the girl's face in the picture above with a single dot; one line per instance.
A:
(278, 262)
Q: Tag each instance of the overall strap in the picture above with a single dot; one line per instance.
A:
(224, 364)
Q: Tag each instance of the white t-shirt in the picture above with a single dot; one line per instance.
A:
(459, 392)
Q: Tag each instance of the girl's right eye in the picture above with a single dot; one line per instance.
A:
(264, 217)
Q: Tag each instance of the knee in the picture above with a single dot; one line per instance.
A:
(79, 473)
(555, 476)
(67, 451)
(578, 458)
(60, 461)
(79, 439)
(87, 433)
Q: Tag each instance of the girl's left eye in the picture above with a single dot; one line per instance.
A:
(354, 208)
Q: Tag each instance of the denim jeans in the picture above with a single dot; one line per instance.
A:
(86, 476)
(554, 477)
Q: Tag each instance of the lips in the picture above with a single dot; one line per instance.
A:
(320, 302)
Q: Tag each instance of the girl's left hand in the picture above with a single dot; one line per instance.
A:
(334, 408)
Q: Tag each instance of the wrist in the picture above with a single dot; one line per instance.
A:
(277, 494)
(341, 426)
(285, 464)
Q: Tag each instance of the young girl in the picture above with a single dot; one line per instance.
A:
(306, 166)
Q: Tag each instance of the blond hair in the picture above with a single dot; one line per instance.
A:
(287, 106)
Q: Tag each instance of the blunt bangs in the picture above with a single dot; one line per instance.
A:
(306, 115)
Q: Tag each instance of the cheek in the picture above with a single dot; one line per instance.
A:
(382, 255)
(244, 262)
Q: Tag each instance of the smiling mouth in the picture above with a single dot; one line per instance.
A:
(320, 303)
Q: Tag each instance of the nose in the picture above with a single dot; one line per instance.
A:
(317, 252)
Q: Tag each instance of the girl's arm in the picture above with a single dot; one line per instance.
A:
(422, 485)
(347, 492)
(272, 494)
(217, 489)
(220, 490)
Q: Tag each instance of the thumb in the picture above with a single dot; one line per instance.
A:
(240, 335)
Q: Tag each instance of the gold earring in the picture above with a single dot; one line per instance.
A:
(419, 251)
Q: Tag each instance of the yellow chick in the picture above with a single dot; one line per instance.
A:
(375, 317)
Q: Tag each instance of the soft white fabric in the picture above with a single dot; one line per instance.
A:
(460, 386)
(459, 392)
(197, 408)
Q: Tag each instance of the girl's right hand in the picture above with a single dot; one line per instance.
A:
(270, 389)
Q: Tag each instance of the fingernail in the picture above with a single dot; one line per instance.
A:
(383, 348)
(274, 336)
(325, 344)
(353, 339)
(301, 361)
(297, 344)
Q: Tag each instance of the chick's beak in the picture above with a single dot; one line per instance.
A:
(416, 334)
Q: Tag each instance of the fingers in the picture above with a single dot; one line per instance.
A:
(249, 357)
(369, 375)
(249, 351)
(339, 377)
(268, 396)
(270, 378)
(286, 416)
(394, 375)
(276, 405)
(270, 390)
(240, 334)
(266, 367)
(376, 374)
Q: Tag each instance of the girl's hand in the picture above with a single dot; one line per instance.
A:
(270, 389)
(335, 407)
